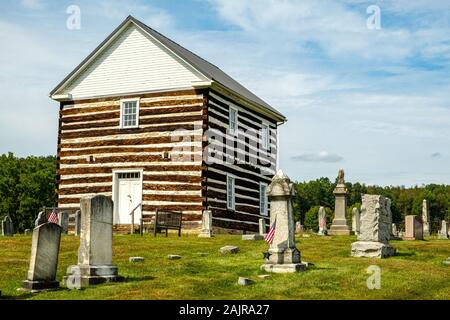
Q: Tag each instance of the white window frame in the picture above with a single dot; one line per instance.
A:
(122, 103)
(236, 126)
(233, 193)
(263, 208)
(265, 140)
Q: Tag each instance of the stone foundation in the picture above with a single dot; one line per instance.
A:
(370, 249)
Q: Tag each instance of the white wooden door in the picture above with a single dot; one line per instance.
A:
(129, 196)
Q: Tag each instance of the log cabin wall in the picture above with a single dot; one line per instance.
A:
(91, 145)
(248, 174)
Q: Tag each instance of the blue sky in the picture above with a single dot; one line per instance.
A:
(375, 102)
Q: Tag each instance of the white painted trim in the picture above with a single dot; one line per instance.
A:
(122, 101)
(233, 192)
(263, 211)
(265, 144)
(236, 125)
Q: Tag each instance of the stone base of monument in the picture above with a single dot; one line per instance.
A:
(85, 276)
(39, 286)
(369, 249)
(284, 268)
(442, 236)
(206, 234)
(255, 237)
(339, 230)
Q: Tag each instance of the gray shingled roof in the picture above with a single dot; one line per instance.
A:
(207, 69)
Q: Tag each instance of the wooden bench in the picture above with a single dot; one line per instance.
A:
(163, 220)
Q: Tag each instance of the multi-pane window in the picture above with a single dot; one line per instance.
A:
(265, 137)
(129, 175)
(230, 192)
(129, 117)
(263, 199)
(233, 125)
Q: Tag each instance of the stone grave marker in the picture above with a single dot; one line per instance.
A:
(95, 251)
(375, 229)
(44, 258)
(340, 225)
(282, 256)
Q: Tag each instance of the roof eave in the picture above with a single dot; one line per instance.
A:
(249, 103)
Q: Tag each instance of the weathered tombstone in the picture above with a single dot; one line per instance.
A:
(44, 258)
(298, 227)
(95, 251)
(447, 262)
(41, 219)
(77, 222)
(254, 237)
(282, 256)
(355, 221)
(63, 218)
(262, 226)
(413, 228)
(443, 232)
(7, 227)
(375, 229)
(229, 249)
(322, 218)
(339, 225)
(425, 218)
(394, 230)
(27, 231)
(206, 224)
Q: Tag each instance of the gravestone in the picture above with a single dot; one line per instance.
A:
(413, 228)
(395, 232)
(95, 251)
(77, 222)
(262, 226)
(355, 221)
(63, 218)
(41, 219)
(425, 218)
(229, 249)
(7, 227)
(375, 229)
(443, 232)
(254, 237)
(298, 227)
(206, 224)
(339, 225)
(447, 262)
(44, 258)
(322, 219)
(282, 255)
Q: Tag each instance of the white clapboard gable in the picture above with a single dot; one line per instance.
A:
(133, 62)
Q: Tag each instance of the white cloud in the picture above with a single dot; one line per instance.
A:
(32, 4)
(322, 156)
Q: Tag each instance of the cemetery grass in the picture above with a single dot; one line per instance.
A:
(416, 272)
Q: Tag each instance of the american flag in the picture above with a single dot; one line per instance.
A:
(269, 236)
(53, 218)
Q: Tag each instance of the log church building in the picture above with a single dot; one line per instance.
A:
(154, 126)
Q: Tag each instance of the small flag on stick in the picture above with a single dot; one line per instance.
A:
(53, 218)
(269, 236)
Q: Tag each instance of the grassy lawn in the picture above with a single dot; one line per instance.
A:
(416, 272)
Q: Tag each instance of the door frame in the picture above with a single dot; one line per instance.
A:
(115, 186)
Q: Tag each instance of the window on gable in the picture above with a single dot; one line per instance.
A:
(233, 124)
(265, 136)
(129, 114)
(263, 199)
(231, 192)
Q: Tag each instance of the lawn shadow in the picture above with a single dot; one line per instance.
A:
(405, 254)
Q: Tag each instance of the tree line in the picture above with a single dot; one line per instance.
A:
(28, 184)
(405, 201)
